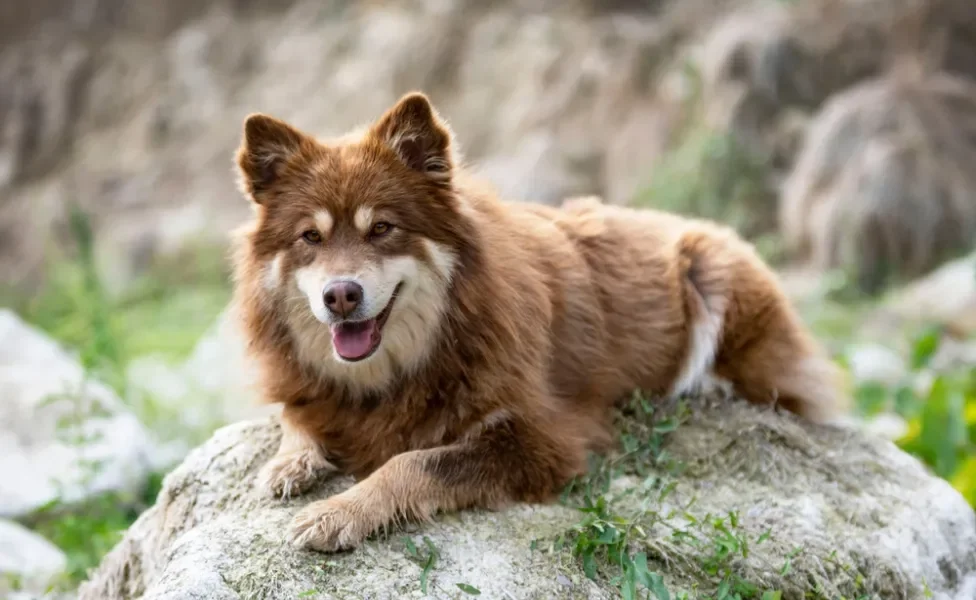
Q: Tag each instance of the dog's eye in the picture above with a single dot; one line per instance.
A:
(381, 228)
(312, 237)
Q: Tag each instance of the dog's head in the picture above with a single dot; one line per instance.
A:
(357, 239)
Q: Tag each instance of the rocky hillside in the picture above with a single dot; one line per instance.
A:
(131, 111)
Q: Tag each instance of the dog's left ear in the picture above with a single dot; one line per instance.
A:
(268, 144)
(417, 134)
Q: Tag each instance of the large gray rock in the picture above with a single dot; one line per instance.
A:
(865, 517)
(63, 435)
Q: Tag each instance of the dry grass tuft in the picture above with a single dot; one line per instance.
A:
(884, 187)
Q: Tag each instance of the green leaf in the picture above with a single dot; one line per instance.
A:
(723, 591)
(786, 567)
(925, 347)
(607, 536)
(772, 595)
(428, 563)
(589, 565)
(628, 587)
(943, 434)
(666, 426)
(657, 587)
(468, 589)
(870, 398)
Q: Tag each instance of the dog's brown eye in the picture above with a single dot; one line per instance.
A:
(381, 228)
(312, 237)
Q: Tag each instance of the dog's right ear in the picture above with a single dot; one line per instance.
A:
(267, 146)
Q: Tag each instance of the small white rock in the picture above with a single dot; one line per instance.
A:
(873, 363)
(62, 436)
(29, 557)
(889, 426)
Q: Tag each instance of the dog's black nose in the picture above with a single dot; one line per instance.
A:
(342, 297)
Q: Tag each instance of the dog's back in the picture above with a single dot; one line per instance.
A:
(669, 303)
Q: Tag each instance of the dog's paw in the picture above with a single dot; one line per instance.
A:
(330, 526)
(293, 474)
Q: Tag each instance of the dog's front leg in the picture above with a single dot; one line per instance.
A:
(298, 464)
(507, 462)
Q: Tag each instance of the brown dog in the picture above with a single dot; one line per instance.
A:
(450, 350)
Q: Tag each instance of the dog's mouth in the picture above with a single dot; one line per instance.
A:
(358, 340)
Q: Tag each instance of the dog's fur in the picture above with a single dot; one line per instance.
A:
(515, 330)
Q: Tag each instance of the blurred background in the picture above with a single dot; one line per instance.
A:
(838, 135)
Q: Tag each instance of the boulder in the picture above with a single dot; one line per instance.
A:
(63, 435)
(849, 513)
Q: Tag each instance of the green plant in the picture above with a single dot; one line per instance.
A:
(86, 532)
(425, 559)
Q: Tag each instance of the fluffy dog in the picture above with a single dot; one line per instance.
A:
(451, 350)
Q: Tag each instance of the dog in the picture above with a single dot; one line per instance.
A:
(451, 350)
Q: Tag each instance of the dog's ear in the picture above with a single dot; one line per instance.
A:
(267, 146)
(421, 139)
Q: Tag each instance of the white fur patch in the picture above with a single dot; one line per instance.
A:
(272, 273)
(409, 333)
(363, 219)
(816, 379)
(444, 260)
(706, 333)
(324, 222)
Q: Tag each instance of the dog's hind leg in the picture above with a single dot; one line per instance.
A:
(745, 329)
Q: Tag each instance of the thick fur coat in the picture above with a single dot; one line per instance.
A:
(452, 350)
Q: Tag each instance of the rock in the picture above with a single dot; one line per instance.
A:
(890, 426)
(883, 189)
(28, 558)
(874, 363)
(864, 515)
(946, 296)
(63, 436)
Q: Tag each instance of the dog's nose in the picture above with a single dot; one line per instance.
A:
(343, 297)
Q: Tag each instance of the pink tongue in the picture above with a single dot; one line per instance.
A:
(354, 340)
